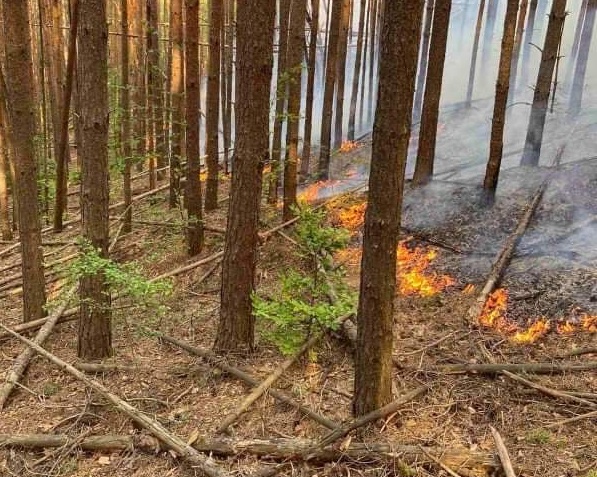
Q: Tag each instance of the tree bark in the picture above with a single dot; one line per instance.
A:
(571, 59)
(311, 66)
(473, 69)
(496, 145)
(125, 107)
(212, 114)
(5, 225)
(357, 73)
(424, 60)
(391, 133)
(520, 24)
(193, 202)
(331, 70)
(528, 40)
(281, 96)
(294, 61)
(95, 334)
(177, 93)
(138, 80)
(254, 73)
(21, 109)
(373, 48)
(580, 71)
(549, 54)
(433, 89)
(341, 81)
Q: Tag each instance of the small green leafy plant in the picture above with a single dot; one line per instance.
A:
(310, 298)
(125, 279)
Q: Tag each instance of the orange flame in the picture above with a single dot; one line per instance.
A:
(589, 323)
(349, 256)
(535, 331)
(566, 328)
(312, 191)
(353, 217)
(412, 275)
(348, 146)
(494, 312)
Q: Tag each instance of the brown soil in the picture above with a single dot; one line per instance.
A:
(188, 396)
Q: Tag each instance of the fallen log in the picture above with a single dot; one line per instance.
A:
(271, 379)
(219, 362)
(459, 458)
(185, 451)
(532, 368)
(22, 361)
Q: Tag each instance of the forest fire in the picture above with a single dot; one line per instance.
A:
(348, 146)
(316, 191)
(413, 275)
(495, 316)
(353, 217)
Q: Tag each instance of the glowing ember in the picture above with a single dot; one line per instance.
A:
(470, 288)
(537, 330)
(348, 146)
(412, 275)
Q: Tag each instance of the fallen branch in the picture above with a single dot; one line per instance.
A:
(579, 352)
(188, 453)
(533, 368)
(270, 380)
(588, 415)
(503, 453)
(370, 417)
(439, 462)
(550, 392)
(217, 361)
(22, 361)
(105, 367)
(276, 449)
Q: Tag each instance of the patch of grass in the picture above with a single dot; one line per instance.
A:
(50, 389)
(539, 436)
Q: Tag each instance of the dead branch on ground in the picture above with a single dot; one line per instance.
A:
(503, 453)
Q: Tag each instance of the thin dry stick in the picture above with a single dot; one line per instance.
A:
(171, 441)
(503, 453)
(439, 462)
(217, 361)
(370, 417)
(534, 368)
(549, 391)
(270, 380)
(570, 420)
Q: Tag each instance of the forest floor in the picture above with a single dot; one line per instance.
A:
(449, 243)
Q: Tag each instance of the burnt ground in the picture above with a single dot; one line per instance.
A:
(553, 274)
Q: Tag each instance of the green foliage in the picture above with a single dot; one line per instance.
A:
(312, 298)
(592, 473)
(539, 436)
(121, 278)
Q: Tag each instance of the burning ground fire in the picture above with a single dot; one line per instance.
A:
(495, 316)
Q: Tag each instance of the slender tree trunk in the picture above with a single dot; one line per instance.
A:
(571, 58)
(137, 65)
(95, 335)
(357, 73)
(253, 80)
(528, 40)
(193, 202)
(489, 32)
(401, 30)
(433, 89)
(309, 104)
(496, 145)
(341, 82)
(364, 67)
(125, 106)
(177, 94)
(473, 69)
(5, 226)
(281, 95)
(296, 41)
(424, 60)
(549, 54)
(331, 70)
(21, 108)
(228, 76)
(522, 12)
(212, 117)
(580, 71)
(154, 100)
(372, 55)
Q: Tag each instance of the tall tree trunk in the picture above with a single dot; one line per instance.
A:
(331, 69)
(364, 67)
(580, 71)
(193, 202)
(357, 73)
(228, 77)
(138, 79)
(341, 81)
(212, 117)
(496, 145)
(294, 61)
(281, 95)
(154, 88)
(177, 93)
(253, 79)
(5, 226)
(522, 12)
(571, 58)
(391, 133)
(372, 55)
(95, 335)
(549, 54)
(473, 69)
(22, 110)
(488, 34)
(125, 106)
(309, 104)
(528, 40)
(424, 60)
(433, 89)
